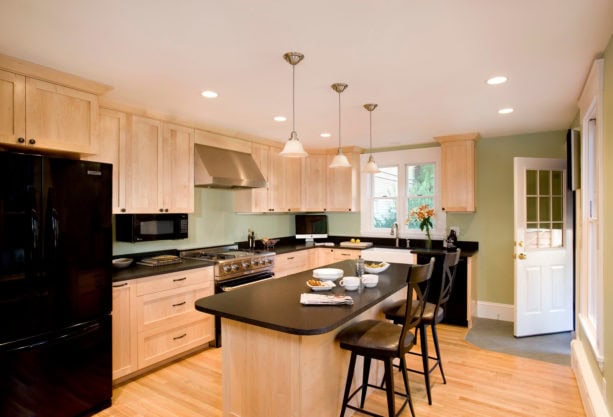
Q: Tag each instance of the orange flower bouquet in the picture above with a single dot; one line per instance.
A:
(423, 214)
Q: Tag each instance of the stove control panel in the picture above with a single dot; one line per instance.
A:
(236, 267)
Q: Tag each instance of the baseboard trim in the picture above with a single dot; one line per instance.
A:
(495, 311)
(590, 389)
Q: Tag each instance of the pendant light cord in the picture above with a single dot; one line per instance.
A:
(339, 121)
(293, 98)
(370, 114)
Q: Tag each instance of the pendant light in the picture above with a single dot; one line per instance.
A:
(340, 160)
(293, 148)
(371, 167)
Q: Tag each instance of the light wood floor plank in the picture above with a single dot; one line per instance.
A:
(480, 383)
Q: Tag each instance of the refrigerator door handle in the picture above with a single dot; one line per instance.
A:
(55, 227)
(34, 223)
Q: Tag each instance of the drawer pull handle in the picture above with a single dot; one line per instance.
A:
(345, 254)
(290, 258)
(180, 279)
(120, 285)
(179, 337)
(178, 304)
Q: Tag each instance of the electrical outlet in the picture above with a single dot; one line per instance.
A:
(456, 229)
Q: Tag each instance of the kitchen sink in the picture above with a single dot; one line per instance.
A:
(395, 255)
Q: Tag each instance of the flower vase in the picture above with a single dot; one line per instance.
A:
(428, 243)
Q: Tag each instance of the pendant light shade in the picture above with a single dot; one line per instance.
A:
(371, 166)
(293, 148)
(340, 160)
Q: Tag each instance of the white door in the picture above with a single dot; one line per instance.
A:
(543, 248)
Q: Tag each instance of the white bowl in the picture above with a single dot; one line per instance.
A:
(381, 266)
(328, 273)
(121, 263)
(325, 286)
(370, 280)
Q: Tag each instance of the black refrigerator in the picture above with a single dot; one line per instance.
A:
(55, 286)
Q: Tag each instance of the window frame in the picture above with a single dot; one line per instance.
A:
(401, 159)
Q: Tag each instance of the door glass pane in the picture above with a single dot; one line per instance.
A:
(545, 208)
(544, 235)
(531, 235)
(556, 183)
(556, 235)
(531, 182)
(556, 209)
(543, 183)
(531, 209)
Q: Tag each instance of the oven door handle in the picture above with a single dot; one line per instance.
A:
(226, 288)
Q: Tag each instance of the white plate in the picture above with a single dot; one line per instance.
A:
(370, 270)
(326, 286)
(328, 273)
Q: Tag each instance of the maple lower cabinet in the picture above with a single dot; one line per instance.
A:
(326, 256)
(291, 263)
(124, 330)
(458, 172)
(154, 318)
(36, 114)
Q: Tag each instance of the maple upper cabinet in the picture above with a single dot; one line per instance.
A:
(157, 167)
(176, 169)
(458, 172)
(41, 115)
(315, 168)
(342, 190)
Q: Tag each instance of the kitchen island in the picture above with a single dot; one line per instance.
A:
(280, 358)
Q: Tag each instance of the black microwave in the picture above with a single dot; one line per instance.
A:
(147, 227)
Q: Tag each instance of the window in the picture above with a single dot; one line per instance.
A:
(407, 179)
(591, 312)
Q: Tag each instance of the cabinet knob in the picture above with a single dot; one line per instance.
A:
(21, 140)
(443, 208)
(32, 142)
(161, 210)
(123, 210)
(166, 210)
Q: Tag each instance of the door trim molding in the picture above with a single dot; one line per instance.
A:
(590, 390)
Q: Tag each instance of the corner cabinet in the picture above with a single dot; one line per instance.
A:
(343, 184)
(458, 172)
(40, 115)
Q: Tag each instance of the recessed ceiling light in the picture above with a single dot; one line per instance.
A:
(279, 118)
(499, 79)
(209, 94)
(325, 135)
(506, 110)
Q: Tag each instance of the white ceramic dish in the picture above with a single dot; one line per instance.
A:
(327, 273)
(120, 263)
(370, 280)
(325, 286)
(375, 270)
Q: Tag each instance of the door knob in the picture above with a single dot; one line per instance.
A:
(522, 256)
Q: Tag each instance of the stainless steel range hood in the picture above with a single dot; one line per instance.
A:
(222, 168)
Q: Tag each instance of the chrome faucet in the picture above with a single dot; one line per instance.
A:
(394, 232)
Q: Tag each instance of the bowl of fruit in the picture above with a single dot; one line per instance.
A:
(269, 243)
(374, 267)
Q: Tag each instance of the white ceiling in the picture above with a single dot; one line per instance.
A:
(424, 62)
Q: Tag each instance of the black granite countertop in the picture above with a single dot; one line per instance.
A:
(275, 304)
(139, 271)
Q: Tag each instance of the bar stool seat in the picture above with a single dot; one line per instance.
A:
(385, 341)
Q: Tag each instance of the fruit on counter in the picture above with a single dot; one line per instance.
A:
(357, 241)
(315, 283)
(352, 240)
(375, 264)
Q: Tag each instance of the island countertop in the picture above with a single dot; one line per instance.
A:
(275, 304)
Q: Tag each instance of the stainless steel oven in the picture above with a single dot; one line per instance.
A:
(234, 269)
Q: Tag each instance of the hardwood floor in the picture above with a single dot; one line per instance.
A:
(480, 383)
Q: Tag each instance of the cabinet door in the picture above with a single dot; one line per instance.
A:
(112, 138)
(256, 200)
(60, 118)
(176, 175)
(314, 191)
(458, 176)
(12, 108)
(141, 157)
(124, 330)
(276, 195)
(342, 190)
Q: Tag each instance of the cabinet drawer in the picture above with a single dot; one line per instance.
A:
(175, 280)
(156, 346)
(291, 263)
(170, 305)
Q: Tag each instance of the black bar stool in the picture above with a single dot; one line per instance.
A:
(384, 341)
(433, 314)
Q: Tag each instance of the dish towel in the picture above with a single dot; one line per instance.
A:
(323, 299)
